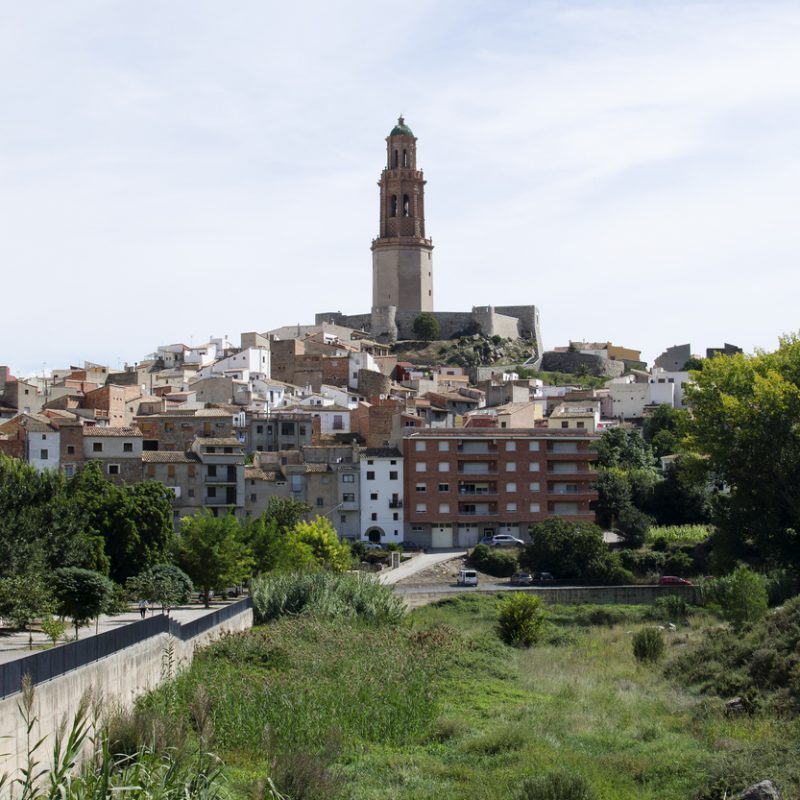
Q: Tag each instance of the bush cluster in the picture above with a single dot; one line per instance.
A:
(648, 644)
(556, 786)
(762, 663)
(500, 563)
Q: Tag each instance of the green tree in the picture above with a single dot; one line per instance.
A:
(572, 550)
(266, 534)
(212, 551)
(314, 545)
(742, 596)
(24, 598)
(163, 584)
(80, 594)
(745, 421)
(624, 448)
(426, 326)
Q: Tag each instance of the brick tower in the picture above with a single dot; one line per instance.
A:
(402, 271)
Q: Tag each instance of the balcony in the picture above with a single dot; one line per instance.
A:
(395, 504)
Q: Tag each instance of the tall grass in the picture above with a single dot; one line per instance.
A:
(324, 594)
(678, 534)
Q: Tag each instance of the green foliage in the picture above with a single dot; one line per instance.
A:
(665, 429)
(25, 597)
(741, 596)
(678, 534)
(694, 363)
(648, 645)
(164, 584)
(80, 594)
(426, 326)
(556, 786)
(212, 552)
(624, 448)
(521, 619)
(314, 545)
(492, 561)
(324, 594)
(671, 608)
(745, 411)
(759, 663)
(633, 526)
(53, 628)
(573, 551)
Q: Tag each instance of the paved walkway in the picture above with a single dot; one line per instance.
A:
(14, 644)
(418, 563)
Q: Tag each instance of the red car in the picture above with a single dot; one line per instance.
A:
(673, 580)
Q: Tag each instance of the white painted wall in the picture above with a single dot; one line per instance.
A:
(44, 450)
(384, 487)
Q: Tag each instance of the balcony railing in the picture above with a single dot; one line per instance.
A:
(395, 504)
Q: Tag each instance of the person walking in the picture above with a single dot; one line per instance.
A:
(143, 605)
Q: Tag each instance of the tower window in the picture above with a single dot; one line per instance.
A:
(405, 158)
(405, 205)
(393, 209)
(394, 160)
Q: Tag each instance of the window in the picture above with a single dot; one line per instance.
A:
(444, 487)
(511, 487)
(113, 469)
(342, 518)
(252, 498)
(419, 447)
(170, 470)
(212, 491)
(211, 449)
(565, 424)
(393, 462)
(127, 447)
(373, 496)
(348, 478)
(444, 447)
(70, 449)
(69, 470)
(212, 470)
(349, 497)
(370, 462)
(395, 516)
(511, 446)
(259, 429)
(97, 447)
(421, 508)
(580, 423)
(406, 205)
(393, 205)
(43, 455)
(416, 529)
(191, 492)
(533, 466)
(287, 428)
(444, 508)
(393, 475)
(511, 506)
(422, 487)
(151, 470)
(444, 466)
(511, 466)
(534, 487)
(533, 447)
(320, 502)
(370, 474)
(420, 466)
(534, 508)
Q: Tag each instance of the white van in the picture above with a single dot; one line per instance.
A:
(468, 577)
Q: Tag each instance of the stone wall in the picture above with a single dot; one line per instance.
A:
(373, 384)
(574, 363)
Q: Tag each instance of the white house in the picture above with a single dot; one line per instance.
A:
(381, 483)
(247, 363)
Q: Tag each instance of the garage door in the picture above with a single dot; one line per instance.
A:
(442, 537)
(467, 536)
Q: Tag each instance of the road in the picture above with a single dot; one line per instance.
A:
(418, 563)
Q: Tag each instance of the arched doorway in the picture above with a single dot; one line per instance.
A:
(375, 535)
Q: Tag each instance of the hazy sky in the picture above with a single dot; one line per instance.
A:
(173, 170)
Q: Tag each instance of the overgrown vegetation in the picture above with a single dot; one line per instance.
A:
(521, 619)
(493, 561)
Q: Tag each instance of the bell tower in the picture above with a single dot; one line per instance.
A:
(402, 270)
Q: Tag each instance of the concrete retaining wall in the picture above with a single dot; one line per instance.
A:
(117, 679)
(629, 595)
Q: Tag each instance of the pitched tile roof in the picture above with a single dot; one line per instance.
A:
(99, 430)
(168, 457)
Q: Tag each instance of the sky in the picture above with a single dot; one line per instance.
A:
(171, 171)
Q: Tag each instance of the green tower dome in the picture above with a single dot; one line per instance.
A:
(401, 129)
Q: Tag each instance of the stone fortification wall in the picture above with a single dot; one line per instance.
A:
(573, 363)
(494, 324)
(373, 384)
(118, 679)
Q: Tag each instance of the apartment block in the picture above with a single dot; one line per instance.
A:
(462, 484)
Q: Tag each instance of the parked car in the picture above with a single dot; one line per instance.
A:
(522, 579)
(373, 546)
(505, 540)
(468, 577)
(543, 577)
(673, 580)
(411, 547)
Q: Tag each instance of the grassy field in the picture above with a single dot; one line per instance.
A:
(438, 707)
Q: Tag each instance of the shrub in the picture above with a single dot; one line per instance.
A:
(499, 563)
(556, 786)
(426, 326)
(678, 534)
(669, 608)
(520, 619)
(648, 645)
(741, 596)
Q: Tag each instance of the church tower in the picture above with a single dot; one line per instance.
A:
(402, 270)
